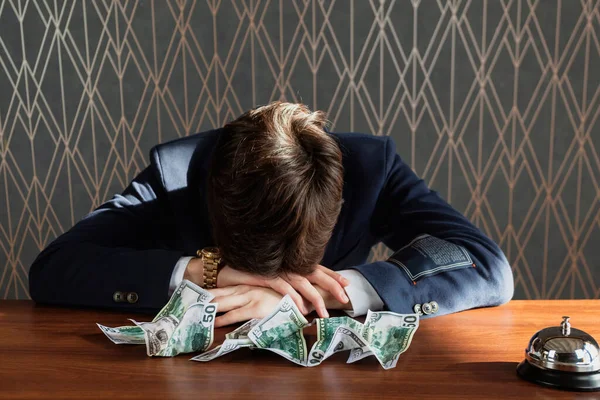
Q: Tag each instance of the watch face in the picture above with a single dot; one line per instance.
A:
(211, 252)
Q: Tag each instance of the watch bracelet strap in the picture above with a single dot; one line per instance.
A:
(209, 275)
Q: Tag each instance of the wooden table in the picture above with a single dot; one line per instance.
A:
(49, 352)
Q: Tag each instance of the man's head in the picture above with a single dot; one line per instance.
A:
(275, 190)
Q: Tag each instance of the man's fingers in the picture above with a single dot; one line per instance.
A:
(282, 287)
(311, 294)
(339, 278)
(233, 316)
(328, 283)
(223, 292)
(231, 302)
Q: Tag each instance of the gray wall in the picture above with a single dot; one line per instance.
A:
(495, 104)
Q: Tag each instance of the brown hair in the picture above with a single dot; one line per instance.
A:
(275, 190)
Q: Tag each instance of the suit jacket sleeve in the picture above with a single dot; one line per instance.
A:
(120, 246)
(407, 208)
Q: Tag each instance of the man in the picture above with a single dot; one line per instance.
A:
(286, 203)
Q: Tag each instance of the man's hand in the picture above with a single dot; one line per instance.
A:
(242, 303)
(295, 285)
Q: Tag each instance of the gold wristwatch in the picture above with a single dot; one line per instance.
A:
(211, 258)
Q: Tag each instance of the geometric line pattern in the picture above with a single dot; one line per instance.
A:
(496, 104)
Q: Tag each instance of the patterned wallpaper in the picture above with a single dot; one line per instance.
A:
(495, 103)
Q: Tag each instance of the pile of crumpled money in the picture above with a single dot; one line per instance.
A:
(186, 325)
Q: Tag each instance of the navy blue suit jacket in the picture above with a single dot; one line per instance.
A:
(132, 242)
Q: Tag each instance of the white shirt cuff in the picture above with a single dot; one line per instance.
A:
(360, 292)
(177, 275)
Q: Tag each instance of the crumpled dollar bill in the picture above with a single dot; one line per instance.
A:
(184, 325)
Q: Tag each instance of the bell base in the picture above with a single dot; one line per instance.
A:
(574, 381)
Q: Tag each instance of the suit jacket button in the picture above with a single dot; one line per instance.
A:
(119, 297)
(427, 308)
(132, 297)
(417, 309)
(434, 307)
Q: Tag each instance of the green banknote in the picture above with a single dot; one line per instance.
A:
(389, 334)
(157, 334)
(344, 338)
(228, 346)
(283, 321)
(242, 331)
(169, 336)
(359, 353)
(233, 340)
(194, 332)
(329, 341)
(292, 348)
(186, 294)
(124, 334)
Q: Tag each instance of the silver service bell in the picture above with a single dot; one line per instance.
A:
(563, 358)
